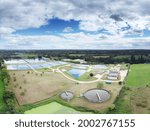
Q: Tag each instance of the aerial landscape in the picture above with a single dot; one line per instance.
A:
(33, 84)
(88, 57)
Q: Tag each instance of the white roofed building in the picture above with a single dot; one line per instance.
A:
(113, 74)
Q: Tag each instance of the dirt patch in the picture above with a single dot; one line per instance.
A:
(37, 87)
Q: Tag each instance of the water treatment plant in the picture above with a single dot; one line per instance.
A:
(75, 85)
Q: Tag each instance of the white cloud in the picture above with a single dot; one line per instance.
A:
(75, 41)
(4, 30)
(68, 29)
(94, 15)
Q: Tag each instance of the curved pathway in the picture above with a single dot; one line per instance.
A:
(58, 69)
(77, 81)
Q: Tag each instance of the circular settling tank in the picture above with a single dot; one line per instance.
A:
(97, 95)
(67, 95)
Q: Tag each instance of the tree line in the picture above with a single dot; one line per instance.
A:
(91, 56)
(7, 96)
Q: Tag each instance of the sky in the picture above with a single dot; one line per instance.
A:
(75, 24)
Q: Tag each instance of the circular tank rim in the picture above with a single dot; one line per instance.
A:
(68, 92)
(97, 89)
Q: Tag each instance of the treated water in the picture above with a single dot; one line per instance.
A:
(76, 73)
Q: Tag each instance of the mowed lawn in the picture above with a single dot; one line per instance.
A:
(52, 108)
(139, 75)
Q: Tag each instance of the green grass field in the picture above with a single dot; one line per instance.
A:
(86, 77)
(2, 104)
(52, 108)
(139, 75)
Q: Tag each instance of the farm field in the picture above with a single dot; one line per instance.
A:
(139, 75)
(133, 101)
(53, 108)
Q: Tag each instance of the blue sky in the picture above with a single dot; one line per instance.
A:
(53, 26)
(74, 24)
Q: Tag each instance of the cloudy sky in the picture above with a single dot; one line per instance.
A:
(74, 24)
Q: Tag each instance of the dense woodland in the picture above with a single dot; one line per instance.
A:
(91, 56)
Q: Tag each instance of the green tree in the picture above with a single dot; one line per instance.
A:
(120, 82)
(91, 74)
